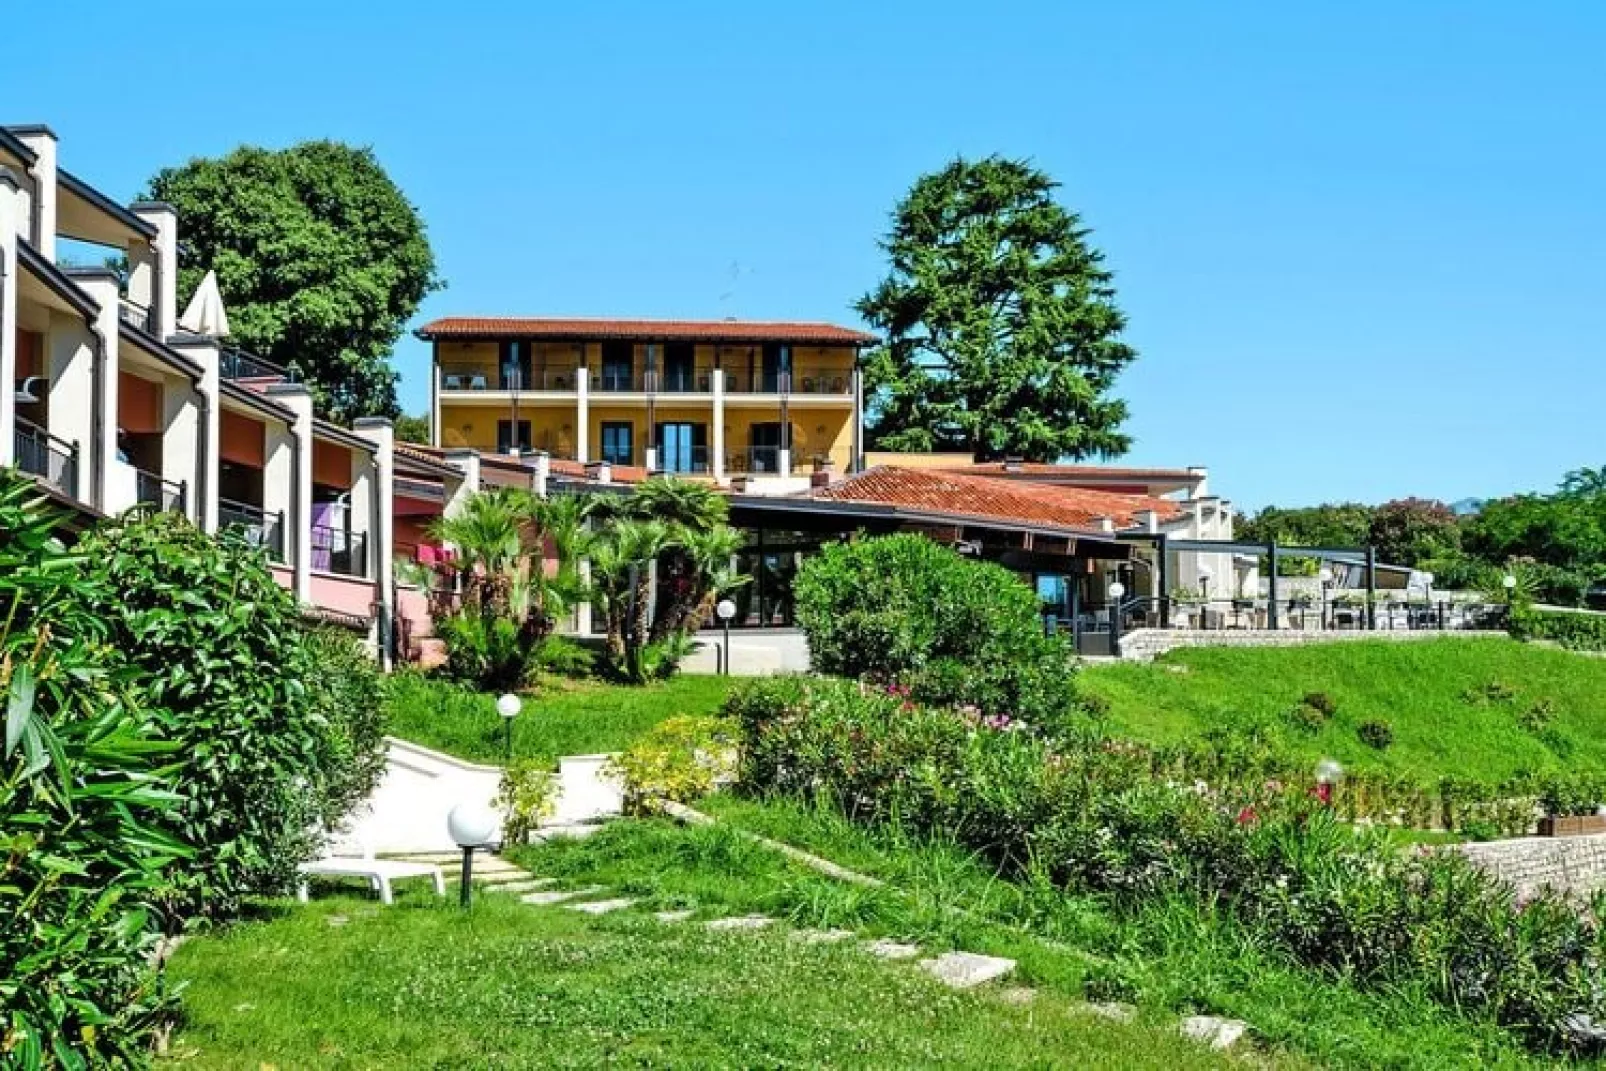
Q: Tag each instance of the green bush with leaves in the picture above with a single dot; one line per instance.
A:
(680, 759)
(902, 608)
(526, 795)
(275, 733)
(1577, 631)
(85, 807)
(1092, 816)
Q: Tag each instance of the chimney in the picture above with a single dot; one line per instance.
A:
(1146, 520)
(40, 229)
(824, 472)
(599, 471)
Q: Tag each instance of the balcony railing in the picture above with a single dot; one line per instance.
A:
(756, 461)
(151, 490)
(618, 379)
(821, 381)
(51, 459)
(259, 527)
(335, 550)
(683, 459)
(134, 314)
(237, 364)
(478, 378)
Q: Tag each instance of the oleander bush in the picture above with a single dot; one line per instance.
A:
(85, 807)
(1578, 630)
(902, 609)
(276, 732)
(1093, 815)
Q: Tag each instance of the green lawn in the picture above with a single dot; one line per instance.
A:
(568, 718)
(1419, 687)
(505, 985)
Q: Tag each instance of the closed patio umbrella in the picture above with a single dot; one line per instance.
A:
(205, 314)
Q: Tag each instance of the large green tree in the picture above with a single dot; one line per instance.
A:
(1002, 333)
(320, 258)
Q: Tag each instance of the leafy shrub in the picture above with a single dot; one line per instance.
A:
(1322, 703)
(1091, 816)
(491, 653)
(1576, 631)
(527, 793)
(564, 657)
(1538, 717)
(902, 608)
(346, 699)
(1376, 733)
(1307, 718)
(85, 808)
(1575, 792)
(1493, 692)
(680, 759)
(273, 734)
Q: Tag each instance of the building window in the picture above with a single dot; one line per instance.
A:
(682, 447)
(617, 362)
(504, 436)
(618, 446)
(680, 367)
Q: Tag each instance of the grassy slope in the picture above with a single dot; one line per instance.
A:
(1417, 687)
(579, 718)
(427, 985)
(1170, 959)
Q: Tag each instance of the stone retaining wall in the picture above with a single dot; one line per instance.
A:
(1567, 864)
(1144, 644)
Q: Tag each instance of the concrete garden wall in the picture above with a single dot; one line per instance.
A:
(1145, 644)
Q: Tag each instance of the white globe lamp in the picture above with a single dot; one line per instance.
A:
(471, 825)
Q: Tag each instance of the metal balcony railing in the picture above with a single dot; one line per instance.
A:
(335, 550)
(480, 377)
(134, 314)
(237, 364)
(683, 459)
(821, 381)
(259, 527)
(756, 461)
(151, 490)
(43, 455)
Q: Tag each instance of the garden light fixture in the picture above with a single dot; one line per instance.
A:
(508, 706)
(471, 825)
(1328, 773)
(725, 610)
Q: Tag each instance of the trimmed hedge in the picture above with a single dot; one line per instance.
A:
(1577, 631)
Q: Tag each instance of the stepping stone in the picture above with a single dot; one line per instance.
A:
(521, 886)
(1214, 1031)
(1120, 1013)
(965, 970)
(672, 916)
(557, 896)
(889, 949)
(744, 922)
(820, 937)
(1017, 994)
(575, 831)
(600, 907)
(337, 920)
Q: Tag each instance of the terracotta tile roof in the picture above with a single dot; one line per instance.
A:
(1028, 469)
(985, 497)
(597, 330)
(576, 470)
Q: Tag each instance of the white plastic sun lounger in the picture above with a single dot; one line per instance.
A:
(379, 872)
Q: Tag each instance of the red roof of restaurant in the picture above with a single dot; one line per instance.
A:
(983, 496)
(617, 473)
(574, 329)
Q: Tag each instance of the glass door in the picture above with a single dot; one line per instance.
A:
(618, 446)
(682, 447)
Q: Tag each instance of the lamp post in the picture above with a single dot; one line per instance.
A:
(1326, 577)
(1509, 582)
(725, 610)
(1328, 773)
(1117, 589)
(508, 706)
(471, 825)
(1204, 597)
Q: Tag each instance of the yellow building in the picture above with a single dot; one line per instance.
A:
(715, 398)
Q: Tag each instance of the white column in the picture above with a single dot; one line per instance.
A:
(205, 353)
(279, 482)
(542, 473)
(582, 426)
(111, 487)
(380, 432)
(468, 463)
(856, 462)
(298, 523)
(8, 317)
(181, 440)
(69, 361)
(716, 440)
(41, 230)
(153, 268)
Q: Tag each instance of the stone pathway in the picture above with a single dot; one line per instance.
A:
(958, 969)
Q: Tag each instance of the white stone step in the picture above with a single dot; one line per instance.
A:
(558, 896)
(1213, 1030)
(886, 948)
(965, 970)
(672, 916)
(820, 937)
(511, 887)
(743, 922)
(601, 907)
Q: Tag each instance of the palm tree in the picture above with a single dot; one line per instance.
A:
(695, 506)
(693, 576)
(622, 557)
(489, 537)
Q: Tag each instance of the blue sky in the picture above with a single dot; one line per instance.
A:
(1361, 247)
